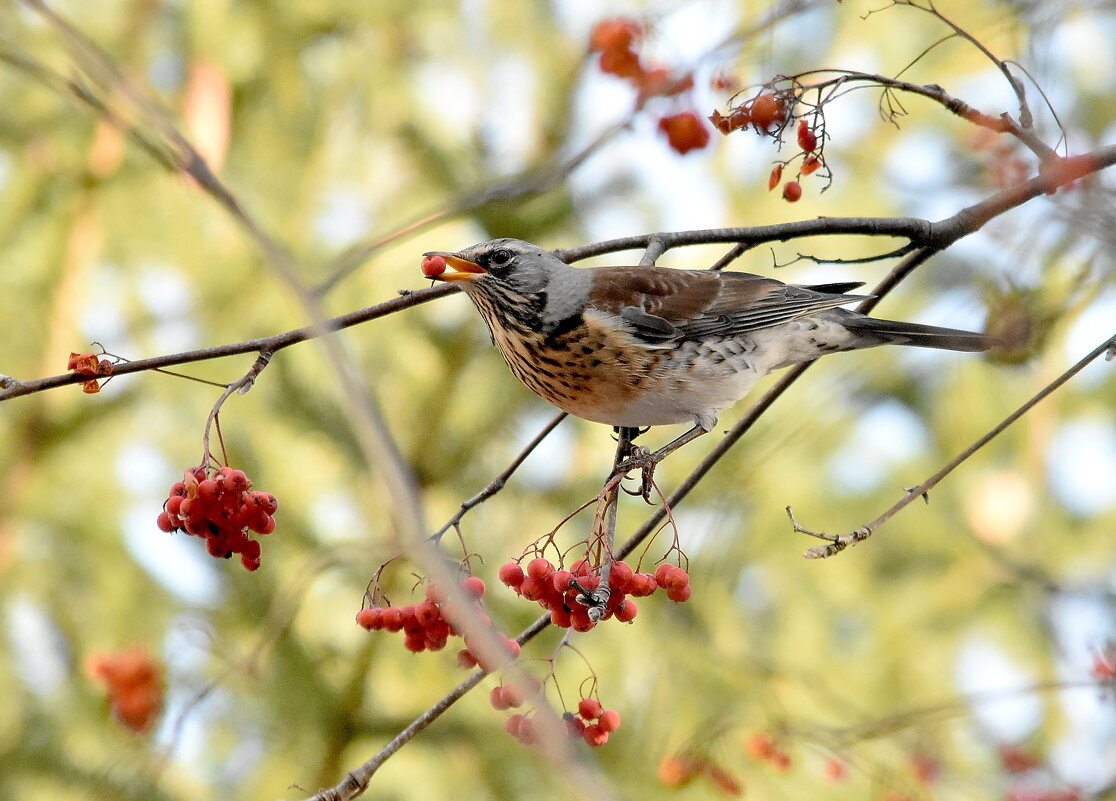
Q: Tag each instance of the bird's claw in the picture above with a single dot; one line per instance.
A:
(645, 461)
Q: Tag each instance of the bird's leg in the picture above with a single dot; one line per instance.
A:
(605, 527)
(645, 461)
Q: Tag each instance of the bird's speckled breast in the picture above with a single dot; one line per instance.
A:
(599, 372)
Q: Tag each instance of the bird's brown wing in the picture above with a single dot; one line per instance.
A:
(664, 305)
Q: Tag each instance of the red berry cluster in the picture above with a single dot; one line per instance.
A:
(617, 40)
(133, 682)
(766, 113)
(592, 723)
(428, 625)
(218, 506)
(88, 366)
(561, 592)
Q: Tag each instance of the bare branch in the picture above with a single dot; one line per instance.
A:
(837, 544)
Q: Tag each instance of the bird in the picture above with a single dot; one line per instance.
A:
(641, 346)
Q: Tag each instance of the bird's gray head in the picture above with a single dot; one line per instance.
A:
(517, 279)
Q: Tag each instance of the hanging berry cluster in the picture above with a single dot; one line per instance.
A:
(565, 593)
(428, 625)
(592, 723)
(133, 682)
(218, 506)
(770, 113)
(618, 39)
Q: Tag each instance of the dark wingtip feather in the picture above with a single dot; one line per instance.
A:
(919, 336)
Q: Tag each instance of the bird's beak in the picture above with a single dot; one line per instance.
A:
(466, 270)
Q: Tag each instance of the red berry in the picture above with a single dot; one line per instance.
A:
(427, 613)
(511, 574)
(393, 618)
(627, 611)
(474, 586)
(685, 131)
(251, 565)
(595, 735)
(532, 588)
(496, 698)
(513, 696)
(792, 191)
(466, 659)
(580, 620)
(609, 720)
(614, 33)
(560, 616)
(415, 642)
(539, 568)
(642, 585)
(589, 708)
(668, 575)
(620, 576)
(621, 63)
(370, 619)
(208, 491)
(433, 265)
(581, 568)
(766, 111)
(760, 745)
(575, 725)
(679, 593)
(807, 139)
(560, 580)
(514, 724)
(164, 522)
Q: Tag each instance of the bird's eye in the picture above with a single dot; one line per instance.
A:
(500, 257)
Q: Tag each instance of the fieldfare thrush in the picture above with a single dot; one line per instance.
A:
(646, 346)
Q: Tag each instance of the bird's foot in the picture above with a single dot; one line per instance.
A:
(643, 460)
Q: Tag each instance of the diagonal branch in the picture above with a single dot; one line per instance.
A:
(836, 544)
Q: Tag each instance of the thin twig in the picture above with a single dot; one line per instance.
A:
(836, 543)
(498, 483)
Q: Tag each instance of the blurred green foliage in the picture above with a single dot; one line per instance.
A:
(347, 122)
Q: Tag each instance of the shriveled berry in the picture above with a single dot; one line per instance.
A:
(775, 177)
(807, 139)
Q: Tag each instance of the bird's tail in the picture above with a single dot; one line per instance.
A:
(892, 332)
